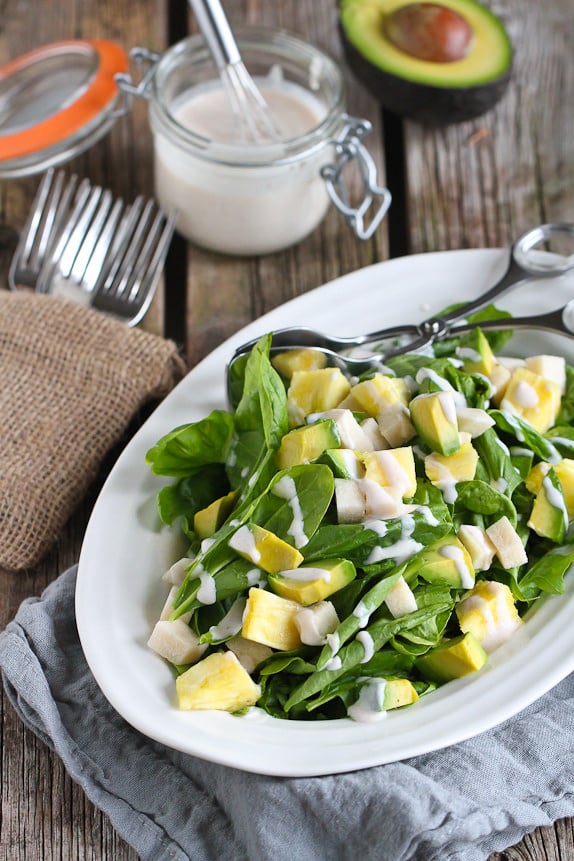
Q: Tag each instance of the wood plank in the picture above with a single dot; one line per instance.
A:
(483, 182)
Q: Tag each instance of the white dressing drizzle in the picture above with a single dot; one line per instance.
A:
(555, 498)
(285, 488)
(368, 645)
(362, 614)
(231, 622)
(207, 593)
(306, 575)
(244, 542)
(457, 555)
(441, 383)
(369, 707)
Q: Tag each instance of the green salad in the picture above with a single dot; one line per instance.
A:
(355, 543)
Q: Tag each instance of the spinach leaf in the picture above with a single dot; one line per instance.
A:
(525, 434)
(547, 574)
(495, 457)
(190, 446)
(480, 498)
(191, 494)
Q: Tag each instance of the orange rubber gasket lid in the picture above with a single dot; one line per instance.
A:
(98, 93)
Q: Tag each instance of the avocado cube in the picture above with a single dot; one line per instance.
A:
(452, 659)
(549, 515)
(434, 417)
(208, 520)
(477, 356)
(217, 682)
(344, 463)
(270, 619)
(398, 693)
(533, 398)
(305, 359)
(393, 467)
(264, 549)
(314, 582)
(314, 392)
(304, 444)
(446, 561)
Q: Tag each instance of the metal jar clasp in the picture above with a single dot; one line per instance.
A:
(348, 147)
(142, 59)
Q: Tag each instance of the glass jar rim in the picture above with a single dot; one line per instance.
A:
(251, 39)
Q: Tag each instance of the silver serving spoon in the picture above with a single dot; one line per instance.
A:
(524, 265)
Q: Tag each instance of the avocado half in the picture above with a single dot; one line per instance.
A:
(433, 93)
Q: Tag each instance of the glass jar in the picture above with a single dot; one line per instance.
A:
(244, 198)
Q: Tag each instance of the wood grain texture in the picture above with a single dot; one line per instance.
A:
(472, 185)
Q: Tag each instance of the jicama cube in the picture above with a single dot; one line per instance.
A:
(508, 546)
(176, 642)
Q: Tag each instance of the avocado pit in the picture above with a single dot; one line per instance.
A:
(434, 62)
(429, 31)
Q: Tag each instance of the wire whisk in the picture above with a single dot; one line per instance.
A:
(251, 111)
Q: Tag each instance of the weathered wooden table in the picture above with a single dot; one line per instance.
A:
(475, 184)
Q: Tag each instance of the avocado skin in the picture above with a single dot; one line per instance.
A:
(424, 103)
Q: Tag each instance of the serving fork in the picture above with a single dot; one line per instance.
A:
(82, 244)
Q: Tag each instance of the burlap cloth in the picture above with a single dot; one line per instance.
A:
(71, 379)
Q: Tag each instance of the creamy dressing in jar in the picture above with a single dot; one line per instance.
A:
(242, 198)
(251, 208)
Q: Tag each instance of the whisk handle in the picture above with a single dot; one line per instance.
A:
(215, 28)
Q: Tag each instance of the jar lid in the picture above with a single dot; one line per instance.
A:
(55, 102)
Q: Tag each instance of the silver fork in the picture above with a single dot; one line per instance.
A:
(42, 228)
(127, 283)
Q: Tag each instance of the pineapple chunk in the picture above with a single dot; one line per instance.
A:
(217, 682)
(565, 473)
(443, 469)
(377, 394)
(270, 619)
(533, 481)
(532, 398)
(264, 549)
(176, 642)
(392, 468)
(550, 367)
(507, 543)
(488, 611)
(314, 392)
(298, 360)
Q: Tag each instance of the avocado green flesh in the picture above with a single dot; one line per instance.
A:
(432, 93)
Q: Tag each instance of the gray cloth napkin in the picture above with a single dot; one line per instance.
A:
(457, 804)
